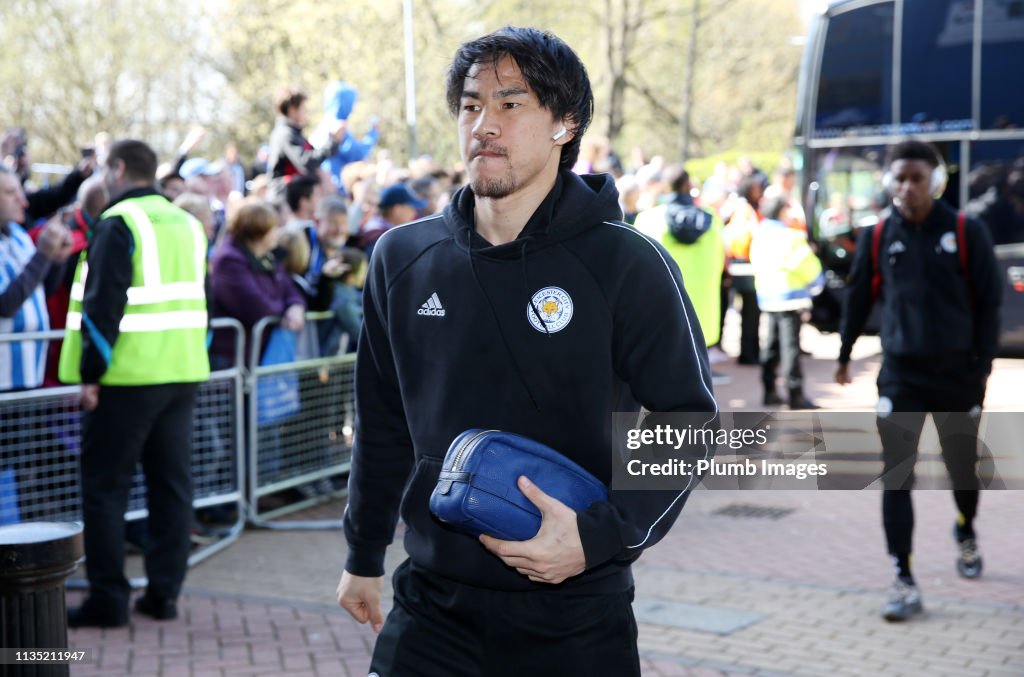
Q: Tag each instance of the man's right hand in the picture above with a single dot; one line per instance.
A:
(843, 374)
(86, 166)
(54, 241)
(90, 396)
(360, 596)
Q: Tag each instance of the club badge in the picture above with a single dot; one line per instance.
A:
(554, 307)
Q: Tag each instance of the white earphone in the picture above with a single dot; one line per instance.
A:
(560, 134)
(937, 185)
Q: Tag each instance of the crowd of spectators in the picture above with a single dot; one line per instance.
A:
(293, 230)
(333, 195)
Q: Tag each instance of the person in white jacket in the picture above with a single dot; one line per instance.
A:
(787, 275)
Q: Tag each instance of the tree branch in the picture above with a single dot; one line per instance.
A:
(652, 99)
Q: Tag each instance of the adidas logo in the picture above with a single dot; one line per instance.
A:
(432, 307)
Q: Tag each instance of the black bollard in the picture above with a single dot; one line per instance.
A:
(35, 560)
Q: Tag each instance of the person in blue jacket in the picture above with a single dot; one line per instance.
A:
(339, 100)
(543, 314)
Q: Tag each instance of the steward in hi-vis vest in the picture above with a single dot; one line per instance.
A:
(162, 335)
(693, 238)
(136, 341)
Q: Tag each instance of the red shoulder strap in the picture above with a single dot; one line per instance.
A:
(876, 271)
(961, 241)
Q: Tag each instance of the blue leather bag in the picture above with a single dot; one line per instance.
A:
(477, 493)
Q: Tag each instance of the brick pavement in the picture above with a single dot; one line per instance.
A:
(813, 579)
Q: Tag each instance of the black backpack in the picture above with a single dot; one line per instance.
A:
(686, 221)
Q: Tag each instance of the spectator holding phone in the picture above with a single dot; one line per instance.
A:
(25, 269)
(93, 196)
(43, 203)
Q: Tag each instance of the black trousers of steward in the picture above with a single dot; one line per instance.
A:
(151, 425)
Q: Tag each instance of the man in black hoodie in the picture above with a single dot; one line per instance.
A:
(526, 306)
(935, 274)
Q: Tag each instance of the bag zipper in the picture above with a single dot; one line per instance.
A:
(465, 447)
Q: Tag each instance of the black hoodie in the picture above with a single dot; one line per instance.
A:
(451, 341)
(933, 314)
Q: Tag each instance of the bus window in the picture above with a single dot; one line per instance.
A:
(855, 82)
(935, 82)
(996, 188)
(1002, 53)
(848, 198)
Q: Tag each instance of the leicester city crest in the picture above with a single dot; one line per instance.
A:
(554, 308)
(948, 242)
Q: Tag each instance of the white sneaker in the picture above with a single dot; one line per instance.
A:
(904, 602)
(716, 355)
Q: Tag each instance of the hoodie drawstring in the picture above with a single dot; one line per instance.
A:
(526, 287)
(494, 314)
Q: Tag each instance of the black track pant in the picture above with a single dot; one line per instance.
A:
(905, 398)
(440, 627)
(151, 424)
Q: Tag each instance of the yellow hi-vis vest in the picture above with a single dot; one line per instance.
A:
(162, 335)
(700, 263)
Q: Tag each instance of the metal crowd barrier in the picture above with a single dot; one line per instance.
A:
(301, 418)
(40, 435)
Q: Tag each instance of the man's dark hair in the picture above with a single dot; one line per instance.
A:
(772, 208)
(679, 180)
(139, 159)
(746, 189)
(551, 69)
(167, 178)
(421, 187)
(289, 97)
(300, 187)
(912, 149)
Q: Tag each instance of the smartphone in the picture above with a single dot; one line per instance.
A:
(88, 152)
(67, 216)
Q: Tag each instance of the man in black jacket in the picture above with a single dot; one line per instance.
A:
(940, 329)
(546, 314)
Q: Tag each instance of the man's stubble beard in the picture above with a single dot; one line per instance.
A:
(496, 188)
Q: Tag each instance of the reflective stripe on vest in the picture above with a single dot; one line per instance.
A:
(162, 334)
(139, 296)
(152, 291)
(176, 319)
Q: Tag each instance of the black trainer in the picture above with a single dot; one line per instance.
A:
(904, 602)
(797, 400)
(157, 608)
(92, 614)
(968, 560)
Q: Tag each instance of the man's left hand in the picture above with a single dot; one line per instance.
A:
(555, 553)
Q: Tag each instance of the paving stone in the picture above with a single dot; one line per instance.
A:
(798, 596)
